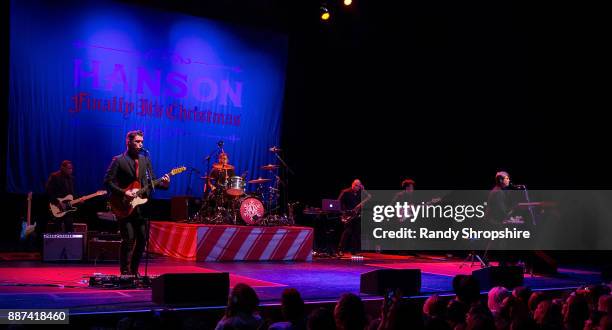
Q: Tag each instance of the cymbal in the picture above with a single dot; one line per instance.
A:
(223, 167)
(270, 167)
(260, 180)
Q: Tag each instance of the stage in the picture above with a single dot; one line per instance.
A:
(34, 284)
(231, 243)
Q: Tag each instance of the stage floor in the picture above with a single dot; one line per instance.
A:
(34, 284)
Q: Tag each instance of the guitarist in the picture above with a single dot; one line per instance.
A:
(350, 199)
(124, 170)
(60, 184)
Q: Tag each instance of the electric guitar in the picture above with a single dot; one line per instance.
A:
(67, 204)
(350, 215)
(122, 205)
(26, 228)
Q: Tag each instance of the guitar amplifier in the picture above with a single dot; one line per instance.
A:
(103, 250)
(63, 246)
(181, 207)
(79, 227)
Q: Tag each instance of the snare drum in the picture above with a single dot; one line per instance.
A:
(251, 210)
(235, 186)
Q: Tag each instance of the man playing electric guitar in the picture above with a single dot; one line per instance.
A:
(59, 185)
(350, 202)
(63, 206)
(127, 171)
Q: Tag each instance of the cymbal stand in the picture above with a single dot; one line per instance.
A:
(287, 171)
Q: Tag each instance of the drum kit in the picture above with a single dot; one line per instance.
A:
(231, 203)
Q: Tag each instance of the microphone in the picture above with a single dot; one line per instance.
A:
(274, 149)
(220, 144)
(145, 150)
(518, 186)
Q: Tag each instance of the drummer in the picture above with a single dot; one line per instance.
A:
(220, 173)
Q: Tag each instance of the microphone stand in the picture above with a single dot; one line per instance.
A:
(286, 181)
(147, 220)
(207, 159)
(530, 208)
(189, 191)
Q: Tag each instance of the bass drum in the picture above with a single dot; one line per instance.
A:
(251, 210)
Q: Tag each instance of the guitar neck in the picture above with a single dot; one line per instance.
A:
(29, 214)
(155, 182)
(84, 198)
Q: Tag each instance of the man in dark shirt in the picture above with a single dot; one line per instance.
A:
(497, 204)
(406, 195)
(350, 201)
(124, 170)
(221, 172)
(498, 210)
(218, 181)
(59, 185)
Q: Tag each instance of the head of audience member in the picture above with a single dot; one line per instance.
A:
(455, 313)
(292, 306)
(405, 314)
(541, 314)
(513, 310)
(496, 297)
(604, 304)
(434, 307)
(575, 311)
(592, 294)
(321, 319)
(467, 288)
(534, 300)
(522, 293)
(605, 323)
(547, 314)
(479, 317)
(592, 323)
(242, 300)
(349, 313)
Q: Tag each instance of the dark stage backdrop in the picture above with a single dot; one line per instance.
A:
(446, 93)
(83, 74)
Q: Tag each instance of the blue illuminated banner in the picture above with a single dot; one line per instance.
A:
(83, 75)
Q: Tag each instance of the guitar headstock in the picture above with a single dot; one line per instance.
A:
(29, 196)
(101, 192)
(178, 170)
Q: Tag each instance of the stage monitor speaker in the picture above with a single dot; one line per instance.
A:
(63, 246)
(380, 280)
(180, 207)
(205, 289)
(507, 276)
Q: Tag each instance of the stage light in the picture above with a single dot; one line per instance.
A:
(348, 2)
(325, 15)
